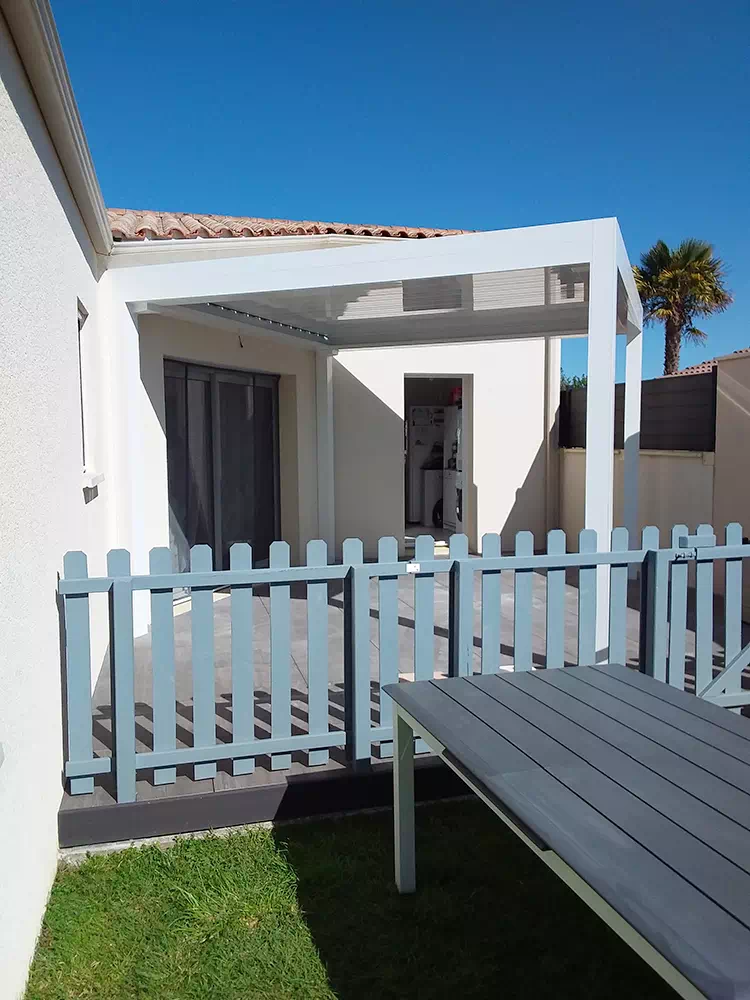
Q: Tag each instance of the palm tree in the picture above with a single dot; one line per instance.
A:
(676, 286)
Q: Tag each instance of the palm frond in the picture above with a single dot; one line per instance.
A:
(694, 336)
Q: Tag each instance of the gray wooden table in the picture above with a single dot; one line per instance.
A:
(636, 794)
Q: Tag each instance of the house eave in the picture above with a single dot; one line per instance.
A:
(32, 27)
(130, 252)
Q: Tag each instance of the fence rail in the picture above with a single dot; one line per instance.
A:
(535, 583)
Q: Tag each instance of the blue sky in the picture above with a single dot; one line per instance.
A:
(482, 115)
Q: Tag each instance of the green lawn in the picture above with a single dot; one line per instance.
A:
(310, 912)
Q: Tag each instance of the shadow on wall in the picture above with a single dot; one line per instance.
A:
(369, 463)
(528, 512)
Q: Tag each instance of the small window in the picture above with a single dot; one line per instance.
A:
(421, 294)
(82, 317)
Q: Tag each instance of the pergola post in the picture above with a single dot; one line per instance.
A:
(600, 411)
(632, 435)
(325, 444)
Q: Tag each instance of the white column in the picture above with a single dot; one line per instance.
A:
(552, 355)
(600, 410)
(326, 484)
(126, 475)
(632, 442)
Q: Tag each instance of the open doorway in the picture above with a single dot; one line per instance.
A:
(433, 457)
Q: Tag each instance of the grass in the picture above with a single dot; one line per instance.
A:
(309, 912)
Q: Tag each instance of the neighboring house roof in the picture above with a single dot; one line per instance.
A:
(129, 224)
(708, 366)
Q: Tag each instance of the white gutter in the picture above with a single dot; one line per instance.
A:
(34, 33)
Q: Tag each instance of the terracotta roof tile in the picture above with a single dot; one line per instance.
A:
(706, 366)
(129, 224)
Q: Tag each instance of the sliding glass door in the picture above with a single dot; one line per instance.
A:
(222, 460)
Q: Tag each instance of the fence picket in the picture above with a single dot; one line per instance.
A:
(587, 542)
(678, 594)
(317, 652)
(555, 631)
(461, 609)
(78, 672)
(357, 673)
(204, 682)
(281, 656)
(653, 620)
(424, 611)
(618, 600)
(163, 665)
(122, 673)
(523, 582)
(491, 547)
(733, 605)
(387, 635)
(243, 665)
(704, 617)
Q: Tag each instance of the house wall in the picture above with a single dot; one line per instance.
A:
(504, 412)
(162, 336)
(732, 473)
(675, 487)
(46, 265)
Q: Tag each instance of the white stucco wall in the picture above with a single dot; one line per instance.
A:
(163, 336)
(504, 412)
(732, 475)
(46, 266)
(675, 487)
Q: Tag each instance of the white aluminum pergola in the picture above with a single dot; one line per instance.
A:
(567, 280)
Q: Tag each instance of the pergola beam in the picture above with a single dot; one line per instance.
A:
(189, 282)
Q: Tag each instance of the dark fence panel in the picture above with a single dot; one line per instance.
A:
(677, 414)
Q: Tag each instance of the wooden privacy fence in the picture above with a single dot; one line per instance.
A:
(475, 585)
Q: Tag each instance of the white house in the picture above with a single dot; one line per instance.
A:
(254, 383)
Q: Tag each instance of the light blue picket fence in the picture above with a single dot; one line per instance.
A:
(663, 631)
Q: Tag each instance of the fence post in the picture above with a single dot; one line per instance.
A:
(357, 656)
(678, 595)
(654, 591)
(733, 606)
(78, 672)
(460, 609)
(281, 655)
(317, 652)
(587, 600)
(243, 665)
(523, 596)
(491, 595)
(704, 610)
(163, 677)
(122, 674)
(387, 636)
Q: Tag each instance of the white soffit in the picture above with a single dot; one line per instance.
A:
(531, 302)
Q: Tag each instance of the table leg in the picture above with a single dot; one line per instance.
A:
(403, 803)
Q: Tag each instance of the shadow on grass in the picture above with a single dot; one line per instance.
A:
(488, 918)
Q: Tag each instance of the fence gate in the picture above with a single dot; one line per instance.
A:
(697, 561)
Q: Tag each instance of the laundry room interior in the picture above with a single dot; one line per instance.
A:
(433, 450)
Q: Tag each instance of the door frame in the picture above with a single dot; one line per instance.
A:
(214, 375)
